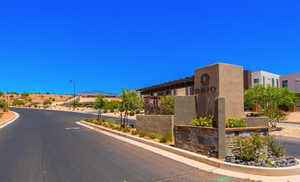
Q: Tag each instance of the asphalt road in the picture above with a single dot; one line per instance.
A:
(291, 145)
(47, 146)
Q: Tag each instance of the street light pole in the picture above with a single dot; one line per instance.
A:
(74, 93)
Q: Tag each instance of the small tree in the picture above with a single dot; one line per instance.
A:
(99, 105)
(3, 105)
(269, 99)
(167, 104)
(130, 103)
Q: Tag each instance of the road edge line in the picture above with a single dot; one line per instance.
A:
(5, 123)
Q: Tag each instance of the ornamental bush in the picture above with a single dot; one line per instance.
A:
(206, 121)
(236, 123)
(257, 147)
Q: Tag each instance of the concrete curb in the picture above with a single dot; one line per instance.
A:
(261, 171)
(5, 123)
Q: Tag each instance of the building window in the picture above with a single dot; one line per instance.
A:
(256, 81)
(277, 83)
(273, 82)
(173, 92)
(285, 83)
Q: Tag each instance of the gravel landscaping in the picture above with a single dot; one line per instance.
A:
(284, 161)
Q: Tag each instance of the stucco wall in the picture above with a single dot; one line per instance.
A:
(158, 124)
(293, 81)
(224, 80)
(185, 109)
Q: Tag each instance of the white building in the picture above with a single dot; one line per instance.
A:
(265, 78)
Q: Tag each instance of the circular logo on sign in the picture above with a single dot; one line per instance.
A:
(204, 79)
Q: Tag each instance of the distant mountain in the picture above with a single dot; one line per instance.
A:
(95, 93)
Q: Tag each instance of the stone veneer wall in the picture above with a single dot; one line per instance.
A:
(159, 124)
(233, 133)
(197, 139)
(205, 140)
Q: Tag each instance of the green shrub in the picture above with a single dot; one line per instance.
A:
(250, 148)
(163, 139)
(142, 134)
(88, 119)
(236, 123)
(137, 112)
(104, 111)
(152, 135)
(167, 104)
(246, 147)
(274, 147)
(126, 130)
(206, 121)
(134, 132)
(132, 113)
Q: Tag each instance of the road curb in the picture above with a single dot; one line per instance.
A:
(260, 171)
(5, 123)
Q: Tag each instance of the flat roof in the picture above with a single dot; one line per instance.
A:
(171, 84)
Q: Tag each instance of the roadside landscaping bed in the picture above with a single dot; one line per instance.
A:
(251, 146)
(129, 130)
(5, 116)
(260, 151)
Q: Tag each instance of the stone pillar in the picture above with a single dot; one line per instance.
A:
(221, 126)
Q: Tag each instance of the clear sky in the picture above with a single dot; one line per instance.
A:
(108, 45)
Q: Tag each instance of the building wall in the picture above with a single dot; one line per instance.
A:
(265, 78)
(247, 79)
(293, 81)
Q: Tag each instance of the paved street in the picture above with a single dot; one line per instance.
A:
(47, 146)
(292, 145)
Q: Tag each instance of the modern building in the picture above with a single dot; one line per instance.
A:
(183, 87)
(292, 81)
(265, 78)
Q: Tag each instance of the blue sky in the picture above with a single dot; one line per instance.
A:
(108, 45)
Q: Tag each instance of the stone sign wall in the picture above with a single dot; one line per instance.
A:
(220, 80)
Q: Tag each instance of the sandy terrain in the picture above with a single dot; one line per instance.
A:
(37, 98)
(289, 131)
(86, 110)
(6, 116)
(293, 117)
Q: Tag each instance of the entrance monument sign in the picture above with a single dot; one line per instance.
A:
(219, 80)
